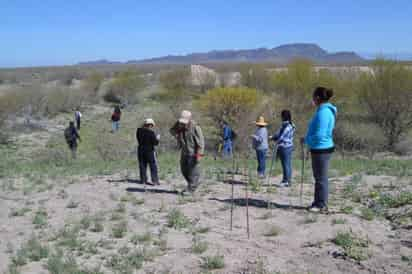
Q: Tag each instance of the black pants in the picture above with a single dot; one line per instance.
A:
(73, 148)
(78, 123)
(147, 158)
(320, 166)
(190, 170)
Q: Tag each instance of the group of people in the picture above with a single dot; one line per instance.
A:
(190, 139)
(318, 138)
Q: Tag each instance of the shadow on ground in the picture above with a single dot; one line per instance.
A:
(257, 203)
(152, 190)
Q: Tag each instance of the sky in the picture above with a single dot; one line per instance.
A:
(57, 32)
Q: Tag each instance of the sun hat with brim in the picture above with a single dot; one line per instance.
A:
(261, 121)
(185, 117)
(149, 121)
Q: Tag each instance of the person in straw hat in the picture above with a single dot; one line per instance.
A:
(261, 145)
(191, 142)
(146, 153)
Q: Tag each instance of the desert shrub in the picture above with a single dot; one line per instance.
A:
(238, 106)
(177, 79)
(229, 103)
(354, 246)
(255, 76)
(213, 262)
(387, 95)
(91, 85)
(124, 87)
(177, 220)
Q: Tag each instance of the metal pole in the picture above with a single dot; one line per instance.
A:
(303, 172)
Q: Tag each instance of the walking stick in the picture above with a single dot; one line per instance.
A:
(274, 152)
(303, 171)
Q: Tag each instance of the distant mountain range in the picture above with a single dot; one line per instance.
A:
(279, 55)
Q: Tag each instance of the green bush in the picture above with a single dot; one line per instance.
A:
(387, 96)
(125, 87)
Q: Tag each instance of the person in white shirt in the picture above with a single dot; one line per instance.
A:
(77, 118)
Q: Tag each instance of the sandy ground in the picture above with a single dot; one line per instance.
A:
(300, 247)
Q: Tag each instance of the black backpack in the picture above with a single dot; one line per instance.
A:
(68, 135)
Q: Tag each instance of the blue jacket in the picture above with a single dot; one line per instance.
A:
(284, 136)
(260, 139)
(320, 130)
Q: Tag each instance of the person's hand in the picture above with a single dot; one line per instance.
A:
(198, 156)
(302, 140)
(158, 137)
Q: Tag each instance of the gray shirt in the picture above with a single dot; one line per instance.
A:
(260, 139)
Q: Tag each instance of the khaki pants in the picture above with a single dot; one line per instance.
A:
(190, 170)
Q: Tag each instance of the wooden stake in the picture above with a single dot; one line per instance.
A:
(231, 206)
(247, 206)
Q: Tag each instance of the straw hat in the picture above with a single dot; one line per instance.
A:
(185, 117)
(261, 121)
(149, 121)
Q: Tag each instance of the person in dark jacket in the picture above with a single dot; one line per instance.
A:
(319, 139)
(146, 153)
(71, 135)
(284, 139)
(116, 115)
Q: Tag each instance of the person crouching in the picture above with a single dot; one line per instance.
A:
(146, 153)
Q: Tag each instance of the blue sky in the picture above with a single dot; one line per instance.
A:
(65, 32)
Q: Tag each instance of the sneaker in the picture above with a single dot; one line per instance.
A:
(156, 183)
(316, 209)
(261, 176)
(284, 184)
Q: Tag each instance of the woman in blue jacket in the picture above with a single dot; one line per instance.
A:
(319, 139)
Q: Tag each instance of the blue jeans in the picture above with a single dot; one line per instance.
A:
(261, 158)
(320, 166)
(227, 148)
(115, 126)
(285, 156)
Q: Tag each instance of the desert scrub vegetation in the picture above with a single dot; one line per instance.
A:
(386, 94)
(177, 220)
(213, 262)
(31, 251)
(354, 246)
(125, 87)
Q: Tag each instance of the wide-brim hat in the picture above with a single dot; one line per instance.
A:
(261, 121)
(149, 121)
(185, 117)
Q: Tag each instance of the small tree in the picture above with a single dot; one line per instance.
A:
(387, 96)
(91, 85)
(125, 87)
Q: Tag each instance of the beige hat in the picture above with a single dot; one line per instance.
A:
(261, 121)
(185, 117)
(149, 121)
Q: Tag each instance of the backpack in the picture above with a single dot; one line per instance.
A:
(68, 135)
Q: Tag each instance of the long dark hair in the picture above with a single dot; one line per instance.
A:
(286, 115)
(323, 94)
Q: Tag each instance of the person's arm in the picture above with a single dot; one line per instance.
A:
(200, 142)
(153, 137)
(174, 130)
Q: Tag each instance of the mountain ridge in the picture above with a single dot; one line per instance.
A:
(280, 55)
